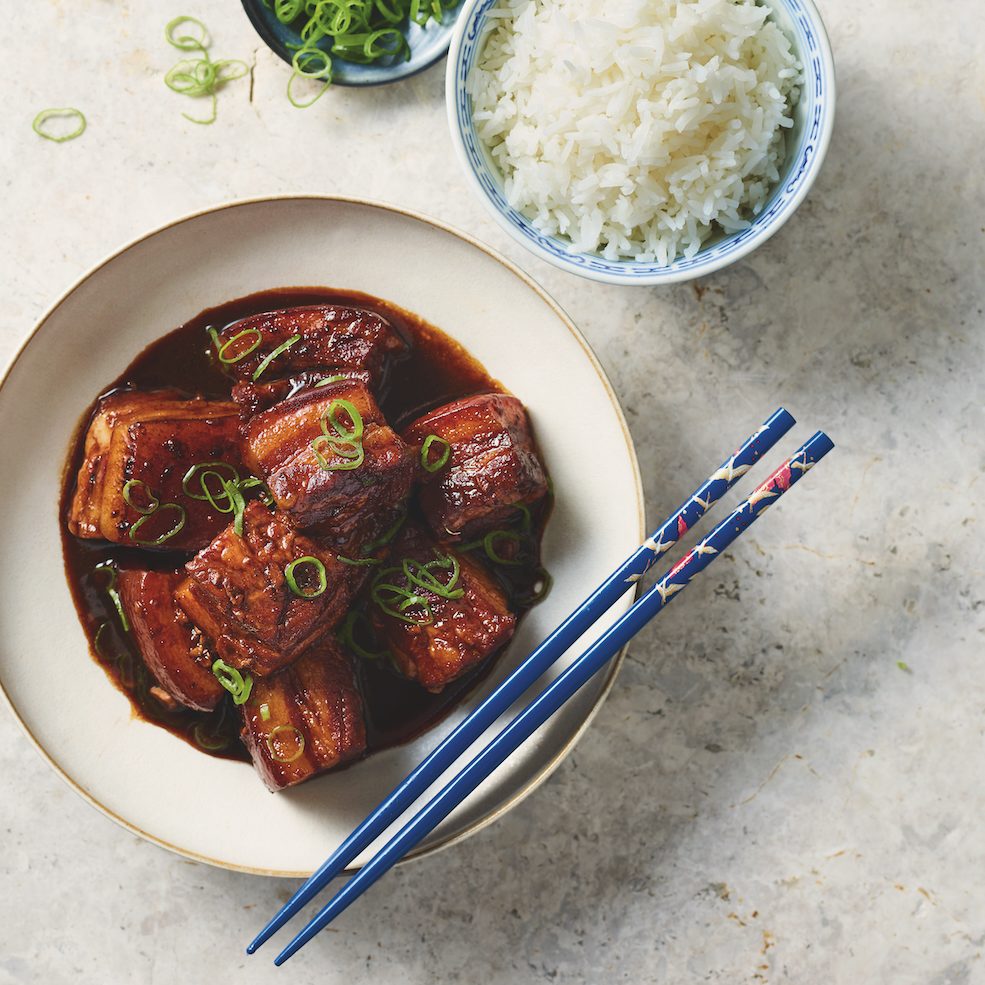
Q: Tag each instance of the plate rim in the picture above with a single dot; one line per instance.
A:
(535, 781)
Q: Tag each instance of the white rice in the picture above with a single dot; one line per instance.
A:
(634, 128)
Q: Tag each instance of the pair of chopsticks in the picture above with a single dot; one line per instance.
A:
(562, 687)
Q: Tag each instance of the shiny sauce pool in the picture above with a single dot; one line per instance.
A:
(435, 371)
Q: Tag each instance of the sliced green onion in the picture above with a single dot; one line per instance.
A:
(444, 453)
(309, 62)
(332, 379)
(283, 347)
(489, 545)
(200, 471)
(342, 433)
(110, 589)
(542, 588)
(69, 112)
(152, 502)
(187, 42)
(358, 562)
(275, 754)
(157, 541)
(421, 575)
(320, 574)
(387, 536)
(396, 600)
(348, 639)
(197, 77)
(237, 684)
(526, 523)
(242, 354)
(210, 742)
(265, 712)
(97, 641)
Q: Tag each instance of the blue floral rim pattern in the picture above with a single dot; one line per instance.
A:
(813, 113)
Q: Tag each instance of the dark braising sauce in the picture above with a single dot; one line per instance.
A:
(436, 370)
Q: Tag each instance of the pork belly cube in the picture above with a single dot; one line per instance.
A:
(306, 719)
(350, 506)
(452, 635)
(173, 649)
(152, 438)
(255, 397)
(330, 336)
(492, 465)
(237, 593)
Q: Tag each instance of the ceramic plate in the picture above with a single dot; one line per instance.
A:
(216, 810)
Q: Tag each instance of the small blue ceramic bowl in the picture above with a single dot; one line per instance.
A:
(807, 144)
(427, 45)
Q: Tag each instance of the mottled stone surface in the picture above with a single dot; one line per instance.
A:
(767, 796)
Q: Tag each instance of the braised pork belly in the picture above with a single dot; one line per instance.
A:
(173, 649)
(308, 337)
(492, 464)
(436, 634)
(305, 578)
(238, 591)
(329, 458)
(138, 449)
(305, 719)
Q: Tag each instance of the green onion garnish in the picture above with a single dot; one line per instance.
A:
(387, 536)
(97, 641)
(241, 353)
(421, 575)
(489, 545)
(265, 712)
(237, 684)
(179, 524)
(69, 112)
(267, 360)
(348, 639)
(542, 587)
(358, 562)
(109, 567)
(332, 379)
(201, 471)
(275, 754)
(401, 596)
(319, 573)
(344, 442)
(432, 465)
(198, 77)
(151, 502)
(312, 63)
(211, 742)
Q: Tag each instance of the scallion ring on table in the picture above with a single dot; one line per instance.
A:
(186, 42)
(133, 490)
(444, 453)
(276, 755)
(243, 352)
(69, 112)
(179, 524)
(238, 684)
(310, 63)
(320, 574)
(268, 359)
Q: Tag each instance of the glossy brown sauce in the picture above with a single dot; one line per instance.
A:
(436, 370)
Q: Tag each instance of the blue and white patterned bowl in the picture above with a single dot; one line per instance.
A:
(807, 144)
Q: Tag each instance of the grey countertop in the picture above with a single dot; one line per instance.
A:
(786, 782)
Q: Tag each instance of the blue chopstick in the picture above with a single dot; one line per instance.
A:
(540, 660)
(567, 683)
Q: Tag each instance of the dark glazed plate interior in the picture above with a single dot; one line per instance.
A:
(427, 46)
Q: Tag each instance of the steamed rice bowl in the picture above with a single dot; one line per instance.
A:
(635, 128)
